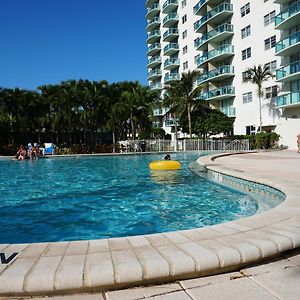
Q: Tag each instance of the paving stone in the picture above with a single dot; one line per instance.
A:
(138, 241)
(176, 237)
(158, 240)
(172, 296)
(118, 244)
(285, 283)
(143, 292)
(56, 249)
(98, 246)
(77, 247)
(34, 250)
(234, 289)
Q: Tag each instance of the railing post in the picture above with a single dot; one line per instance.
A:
(184, 145)
(175, 145)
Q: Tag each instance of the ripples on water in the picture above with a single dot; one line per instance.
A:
(100, 197)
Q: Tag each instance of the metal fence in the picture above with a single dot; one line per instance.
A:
(184, 145)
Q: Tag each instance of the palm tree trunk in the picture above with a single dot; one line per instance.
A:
(190, 121)
(260, 118)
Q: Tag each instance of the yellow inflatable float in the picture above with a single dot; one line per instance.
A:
(165, 165)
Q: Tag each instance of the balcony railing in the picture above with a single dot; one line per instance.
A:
(288, 42)
(211, 14)
(154, 59)
(171, 32)
(289, 70)
(154, 73)
(288, 99)
(199, 5)
(223, 91)
(229, 111)
(171, 77)
(225, 49)
(218, 30)
(171, 62)
(152, 47)
(152, 9)
(153, 35)
(156, 86)
(153, 22)
(171, 122)
(215, 73)
(170, 47)
(170, 17)
(169, 3)
(287, 13)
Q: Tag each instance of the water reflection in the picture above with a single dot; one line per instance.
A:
(166, 177)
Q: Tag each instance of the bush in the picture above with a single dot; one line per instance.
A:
(264, 140)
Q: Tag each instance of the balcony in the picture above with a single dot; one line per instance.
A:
(289, 73)
(170, 20)
(199, 7)
(216, 74)
(155, 73)
(217, 54)
(170, 34)
(218, 34)
(153, 49)
(153, 10)
(171, 77)
(153, 36)
(288, 100)
(289, 45)
(217, 15)
(155, 86)
(171, 122)
(158, 112)
(288, 17)
(228, 110)
(169, 6)
(171, 63)
(218, 94)
(153, 23)
(154, 61)
(171, 49)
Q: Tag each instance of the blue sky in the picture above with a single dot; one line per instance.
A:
(47, 41)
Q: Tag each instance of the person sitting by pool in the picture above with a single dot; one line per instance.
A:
(22, 153)
(168, 157)
(34, 152)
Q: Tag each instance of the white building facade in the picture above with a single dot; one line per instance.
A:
(223, 39)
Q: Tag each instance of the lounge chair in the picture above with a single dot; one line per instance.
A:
(49, 149)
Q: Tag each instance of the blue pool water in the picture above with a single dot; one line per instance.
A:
(99, 197)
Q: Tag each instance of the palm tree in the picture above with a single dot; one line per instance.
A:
(258, 75)
(187, 93)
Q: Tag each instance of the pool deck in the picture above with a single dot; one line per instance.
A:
(109, 264)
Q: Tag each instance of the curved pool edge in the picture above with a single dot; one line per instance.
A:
(96, 265)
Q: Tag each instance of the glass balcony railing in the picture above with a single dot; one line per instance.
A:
(287, 42)
(154, 59)
(171, 122)
(171, 31)
(223, 91)
(153, 7)
(155, 73)
(215, 73)
(225, 49)
(170, 17)
(287, 13)
(154, 33)
(171, 46)
(218, 30)
(171, 77)
(153, 21)
(171, 61)
(199, 5)
(169, 2)
(156, 86)
(288, 70)
(155, 46)
(288, 99)
(229, 111)
(211, 14)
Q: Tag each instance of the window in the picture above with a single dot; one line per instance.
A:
(184, 50)
(246, 31)
(250, 130)
(269, 18)
(247, 97)
(272, 66)
(245, 9)
(183, 3)
(185, 65)
(184, 34)
(244, 75)
(271, 92)
(184, 19)
(246, 53)
(270, 42)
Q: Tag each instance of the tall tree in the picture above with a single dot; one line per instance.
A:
(257, 75)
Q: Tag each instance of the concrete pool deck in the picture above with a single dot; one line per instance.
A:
(101, 265)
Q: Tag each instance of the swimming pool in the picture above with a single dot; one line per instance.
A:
(99, 197)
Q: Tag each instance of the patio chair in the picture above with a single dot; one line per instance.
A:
(49, 149)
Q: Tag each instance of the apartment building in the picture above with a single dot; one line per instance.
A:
(223, 39)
